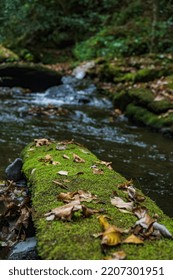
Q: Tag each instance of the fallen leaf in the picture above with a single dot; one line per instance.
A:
(64, 212)
(84, 151)
(42, 142)
(133, 239)
(120, 203)
(47, 158)
(108, 164)
(98, 171)
(23, 218)
(134, 195)
(108, 227)
(61, 147)
(60, 184)
(103, 221)
(77, 195)
(63, 173)
(162, 229)
(126, 184)
(111, 238)
(55, 162)
(66, 197)
(78, 159)
(66, 157)
(140, 211)
(87, 212)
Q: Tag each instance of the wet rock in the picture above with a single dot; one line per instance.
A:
(25, 250)
(13, 171)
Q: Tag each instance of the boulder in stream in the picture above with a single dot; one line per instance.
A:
(13, 171)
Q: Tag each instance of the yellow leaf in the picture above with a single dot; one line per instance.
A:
(111, 238)
(133, 239)
(103, 221)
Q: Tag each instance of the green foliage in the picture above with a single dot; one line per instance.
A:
(97, 28)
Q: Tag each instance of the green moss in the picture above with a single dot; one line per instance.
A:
(7, 55)
(121, 99)
(141, 96)
(142, 115)
(74, 240)
(169, 79)
(160, 106)
(142, 75)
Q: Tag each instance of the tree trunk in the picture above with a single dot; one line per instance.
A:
(155, 15)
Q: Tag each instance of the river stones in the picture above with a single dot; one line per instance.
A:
(13, 171)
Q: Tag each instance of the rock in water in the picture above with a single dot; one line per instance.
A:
(13, 171)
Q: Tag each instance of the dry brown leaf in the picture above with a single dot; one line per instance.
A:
(66, 157)
(119, 255)
(98, 171)
(62, 172)
(86, 196)
(55, 162)
(64, 212)
(48, 158)
(140, 211)
(133, 239)
(23, 218)
(67, 197)
(42, 142)
(87, 212)
(145, 222)
(61, 147)
(125, 185)
(78, 159)
(108, 164)
(120, 203)
(134, 195)
(77, 195)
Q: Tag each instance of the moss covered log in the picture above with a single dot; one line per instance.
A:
(58, 239)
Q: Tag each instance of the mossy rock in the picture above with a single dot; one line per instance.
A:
(142, 75)
(7, 55)
(160, 106)
(59, 239)
(141, 96)
(121, 99)
(169, 79)
(148, 118)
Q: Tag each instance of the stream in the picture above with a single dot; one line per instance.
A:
(75, 110)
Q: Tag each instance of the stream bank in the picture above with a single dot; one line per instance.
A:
(141, 87)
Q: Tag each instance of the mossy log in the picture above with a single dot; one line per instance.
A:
(58, 239)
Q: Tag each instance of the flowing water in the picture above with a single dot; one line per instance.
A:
(86, 117)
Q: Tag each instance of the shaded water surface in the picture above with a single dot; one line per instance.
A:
(75, 110)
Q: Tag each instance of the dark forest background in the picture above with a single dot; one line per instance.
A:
(86, 29)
